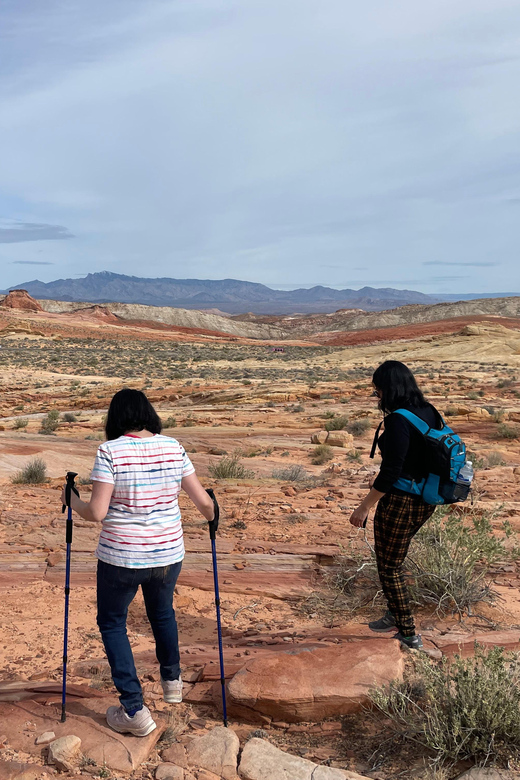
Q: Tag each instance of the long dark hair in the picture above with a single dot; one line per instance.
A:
(397, 386)
(130, 410)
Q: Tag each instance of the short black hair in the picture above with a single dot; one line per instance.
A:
(130, 410)
(397, 386)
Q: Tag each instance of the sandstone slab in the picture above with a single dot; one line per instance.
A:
(86, 719)
(263, 761)
(455, 643)
(216, 751)
(314, 684)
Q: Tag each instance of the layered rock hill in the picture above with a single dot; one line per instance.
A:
(355, 319)
(112, 312)
(20, 299)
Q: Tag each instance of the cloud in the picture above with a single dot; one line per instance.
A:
(18, 232)
(271, 140)
(31, 262)
(470, 264)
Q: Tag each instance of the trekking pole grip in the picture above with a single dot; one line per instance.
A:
(69, 487)
(213, 524)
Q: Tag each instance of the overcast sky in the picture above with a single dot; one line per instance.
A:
(289, 142)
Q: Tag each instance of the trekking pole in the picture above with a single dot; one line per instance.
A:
(71, 475)
(213, 526)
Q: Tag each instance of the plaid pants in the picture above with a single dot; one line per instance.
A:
(396, 521)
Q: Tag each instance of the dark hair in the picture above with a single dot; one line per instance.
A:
(130, 410)
(398, 387)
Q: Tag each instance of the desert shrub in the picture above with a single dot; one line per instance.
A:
(69, 417)
(34, 473)
(189, 422)
(337, 423)
(354, 455)
(451, 411)
(295, 473)
(465, 709)
(358, 427)
(505, 431)
(473, 396)
(328, 415)
(478, 462)
(170, 422)
(495, 459)
(21, 422)
(321, 454)
(448, 565)
(230, 468)
(50, 422)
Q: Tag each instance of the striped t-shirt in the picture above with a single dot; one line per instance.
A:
(142, 527)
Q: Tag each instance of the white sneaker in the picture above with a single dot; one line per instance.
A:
(172, 690)
(139, 725)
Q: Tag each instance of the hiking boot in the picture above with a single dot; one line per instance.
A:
(410, 642)
(172, 690)
(139, 725)
(386, 623)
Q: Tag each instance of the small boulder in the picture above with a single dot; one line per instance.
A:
(340, 439)
(216, 751)
(45, 738)
(319, 438)
(263, 761)
(169, 772)
(63, 751)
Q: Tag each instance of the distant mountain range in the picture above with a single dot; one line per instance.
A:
(229, 295)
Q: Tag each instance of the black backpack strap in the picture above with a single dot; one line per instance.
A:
(376, 439)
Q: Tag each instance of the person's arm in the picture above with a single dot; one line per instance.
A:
(396, 444)
(95, 509)
(198, 495)
(360, 514)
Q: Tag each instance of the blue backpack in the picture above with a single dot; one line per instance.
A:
(446, 456)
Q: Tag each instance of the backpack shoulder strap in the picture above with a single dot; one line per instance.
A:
(416, 421)
(376, 439)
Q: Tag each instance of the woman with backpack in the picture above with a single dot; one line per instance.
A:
(399, 515)
(137, 477)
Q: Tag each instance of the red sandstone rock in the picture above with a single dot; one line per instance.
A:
(311, 685)
(20, 299)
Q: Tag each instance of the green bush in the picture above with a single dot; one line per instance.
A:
(495, 459)
(505, 431)
(50, 422)
(170, 422)
(321, 454)
(34, 473)
(230, 468)
(337, 423)
(69, 417)
(358, 427)
(21, 422)
(465, 709)
(295, 473)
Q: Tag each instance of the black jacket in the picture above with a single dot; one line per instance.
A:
(403, 448)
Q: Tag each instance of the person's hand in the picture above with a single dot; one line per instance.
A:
(359, 516)
(64, 495)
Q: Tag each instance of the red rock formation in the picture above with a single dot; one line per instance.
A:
(20, 299)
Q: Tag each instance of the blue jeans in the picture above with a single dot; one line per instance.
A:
(116, 588)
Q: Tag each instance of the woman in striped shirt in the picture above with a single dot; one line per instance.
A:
(137, 477)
